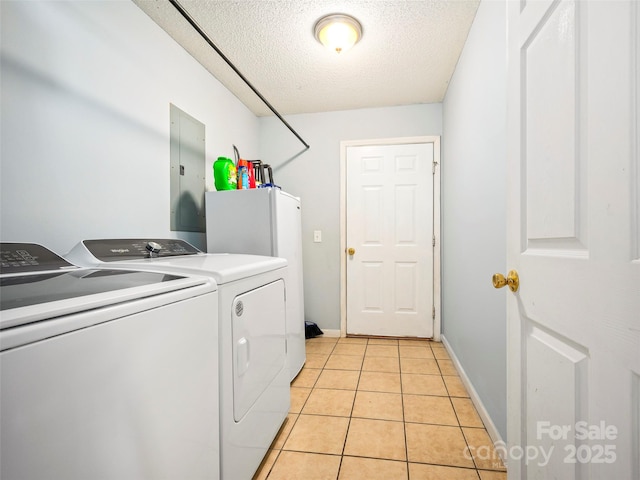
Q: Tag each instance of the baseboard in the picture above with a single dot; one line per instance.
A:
(475, 398)
(330, 333)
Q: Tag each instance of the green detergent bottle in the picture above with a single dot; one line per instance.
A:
(224, 174)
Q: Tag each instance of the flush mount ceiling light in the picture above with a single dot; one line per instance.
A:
(338, 32)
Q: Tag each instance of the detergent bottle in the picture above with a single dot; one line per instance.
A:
(248, 166)
(224, 174)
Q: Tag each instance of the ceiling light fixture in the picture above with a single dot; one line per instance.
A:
(338, 32)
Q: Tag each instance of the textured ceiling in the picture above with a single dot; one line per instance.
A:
(407, 54)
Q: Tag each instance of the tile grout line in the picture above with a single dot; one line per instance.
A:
(298, 416)
(404, 422)
(281, 449)
(344, 444)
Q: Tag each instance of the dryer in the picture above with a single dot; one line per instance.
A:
(105, 373)
(254, 378)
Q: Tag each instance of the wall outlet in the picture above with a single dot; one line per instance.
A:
(317, 236)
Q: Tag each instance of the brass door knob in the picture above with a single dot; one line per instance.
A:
(351, 251)
(512, 280)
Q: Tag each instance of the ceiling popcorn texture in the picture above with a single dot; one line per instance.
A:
(408, 52)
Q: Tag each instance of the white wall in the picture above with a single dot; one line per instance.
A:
(474, 211)
(314, 176)
(86, 88)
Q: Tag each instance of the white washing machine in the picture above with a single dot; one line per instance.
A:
(254, 379)
(105, 373)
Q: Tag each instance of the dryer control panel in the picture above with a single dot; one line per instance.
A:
(118, 249)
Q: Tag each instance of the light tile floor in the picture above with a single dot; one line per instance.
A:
(380, 409)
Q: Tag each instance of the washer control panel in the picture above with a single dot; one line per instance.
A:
(29, 257)
(115, 249)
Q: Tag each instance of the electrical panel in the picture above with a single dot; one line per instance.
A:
(187, 155)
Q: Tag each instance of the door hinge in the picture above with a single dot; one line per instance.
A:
(433, 242)
(433, 312)
(433, 169)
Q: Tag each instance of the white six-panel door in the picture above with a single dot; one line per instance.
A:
(573, 236)
(389, 218)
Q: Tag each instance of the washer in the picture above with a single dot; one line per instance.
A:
(254, 379)
(105, 373)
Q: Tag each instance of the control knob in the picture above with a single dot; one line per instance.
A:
(153, 248)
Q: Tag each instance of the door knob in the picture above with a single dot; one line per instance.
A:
(512, 280)
(351, 251)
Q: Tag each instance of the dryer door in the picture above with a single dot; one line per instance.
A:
(259, 345)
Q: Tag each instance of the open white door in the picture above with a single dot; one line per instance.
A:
(573, 237)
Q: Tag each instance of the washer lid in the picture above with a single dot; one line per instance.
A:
(27, 290)
(29, 298)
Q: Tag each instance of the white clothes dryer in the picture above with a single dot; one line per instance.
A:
(254, 379)
(105, 373)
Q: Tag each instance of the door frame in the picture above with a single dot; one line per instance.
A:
(435, 140)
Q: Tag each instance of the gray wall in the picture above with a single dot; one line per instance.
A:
(86, 88)
(474, 211)
(314, 176)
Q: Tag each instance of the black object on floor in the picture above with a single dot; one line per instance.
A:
(311, 330)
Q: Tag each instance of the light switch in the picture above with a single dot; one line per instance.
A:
(317, 236)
